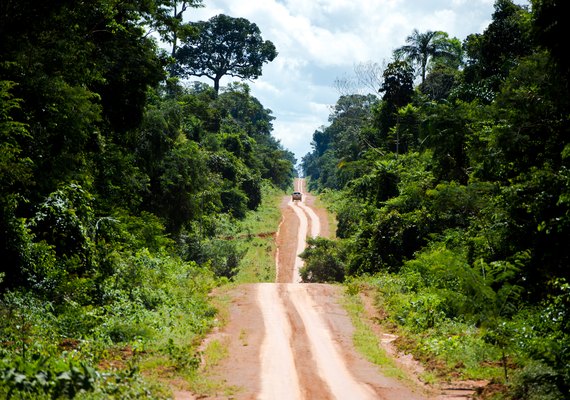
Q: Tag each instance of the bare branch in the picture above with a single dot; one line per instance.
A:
(367, 79)
(346, 85)
(369, 75)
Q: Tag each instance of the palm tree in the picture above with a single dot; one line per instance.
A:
(423, 46)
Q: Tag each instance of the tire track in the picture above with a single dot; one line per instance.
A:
(294, 341)
(299, 358)
(279, 379)
(328, 358)
(307, 218)
(301, 240)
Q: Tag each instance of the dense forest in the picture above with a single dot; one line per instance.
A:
(121, 179)
(451, 185)
(118, 178)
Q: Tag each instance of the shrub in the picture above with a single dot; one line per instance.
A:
(45, 378)
(537, 382)
(323, 261)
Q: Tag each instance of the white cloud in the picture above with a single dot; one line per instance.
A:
(267, 87)
(296, 134)
(321, 40)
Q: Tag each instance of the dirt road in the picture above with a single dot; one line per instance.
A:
(289, 340)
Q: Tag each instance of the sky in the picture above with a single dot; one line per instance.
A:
(321, 41)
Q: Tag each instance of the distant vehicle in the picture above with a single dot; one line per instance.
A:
(297, 196)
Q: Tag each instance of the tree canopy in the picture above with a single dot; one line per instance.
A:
(225, 46)
(120, 186)
(423, 47)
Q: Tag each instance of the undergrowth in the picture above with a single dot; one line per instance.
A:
(95, 351)
(136, 331)
(458, 347)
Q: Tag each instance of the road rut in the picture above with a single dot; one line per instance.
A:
(299, 338)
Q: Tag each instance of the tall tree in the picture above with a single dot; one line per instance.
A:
(422, 47)
(550, 28)
(398, 89)
(177, 29)
(225, 46)
(348, 117)
(82, 74)
(491, 55)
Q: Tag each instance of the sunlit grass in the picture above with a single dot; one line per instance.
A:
(450, 350)
(258, 263)
(257, 240)
(215, 351)
(328, 200)
(200, 380)
(366, 342)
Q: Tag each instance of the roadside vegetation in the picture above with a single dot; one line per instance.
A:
(122, 188)
(128, 194)
(451, 187)
(256, 240)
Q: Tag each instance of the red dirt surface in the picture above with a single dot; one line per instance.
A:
(294, 340)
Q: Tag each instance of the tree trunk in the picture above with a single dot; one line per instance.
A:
(217, 85)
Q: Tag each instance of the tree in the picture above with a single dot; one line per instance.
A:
(398, 89)
(323, 261)
(549, 28)
(225, 46)
(243, 114)
(182, 185)
(87, 71)
(398, 84)
(169, 21)
(367, 79)
(491, 55)
(443, 70)
(438, 84)
(348, 117)
(422, 47)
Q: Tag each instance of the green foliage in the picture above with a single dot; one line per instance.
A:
(223, 257)
(118, 194)
(398, 90)
(323, 261)
(428, 319)
(14, 169)
(338, 146)
(466, 292)
(537, 382)
(256, 238)
(181, 184)
(225, 46)
(459, 188)
(492, 54)
(423, 48)
(542, 334)
(150, 300)
(43, 377)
